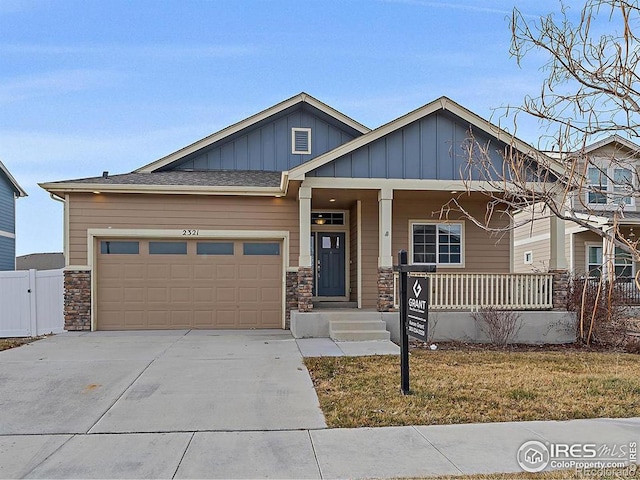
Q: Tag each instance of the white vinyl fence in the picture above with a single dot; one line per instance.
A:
(31, 303)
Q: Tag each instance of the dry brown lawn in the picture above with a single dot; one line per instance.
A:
(476, 386)
(7, 343)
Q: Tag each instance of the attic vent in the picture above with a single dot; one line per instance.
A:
(301, 141)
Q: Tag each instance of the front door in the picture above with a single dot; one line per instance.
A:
(330, 264)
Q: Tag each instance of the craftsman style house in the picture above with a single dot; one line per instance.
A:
(295, 207)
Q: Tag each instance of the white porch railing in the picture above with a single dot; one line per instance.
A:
(471, 291)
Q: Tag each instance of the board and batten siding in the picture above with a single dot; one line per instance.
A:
(130, 211)
(429, 148)
(268, 146)
(483, 253)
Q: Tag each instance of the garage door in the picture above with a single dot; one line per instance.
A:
(178, 284)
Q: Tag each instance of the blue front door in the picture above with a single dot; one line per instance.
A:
(330, 263)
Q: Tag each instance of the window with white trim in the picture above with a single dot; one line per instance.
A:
(437, 243)
(528, 257)
(301, 141)
(622, 262)
(609, 185)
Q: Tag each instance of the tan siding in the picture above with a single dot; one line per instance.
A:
(540, 250)
(177, 212)
(580, 249)
(482, 252)
(369, 254)
(353, 253)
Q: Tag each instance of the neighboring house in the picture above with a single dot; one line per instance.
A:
(40, 261)
(9, 191)
(296, 205)
(613, 163)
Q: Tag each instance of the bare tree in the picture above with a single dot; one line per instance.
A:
(591, 90)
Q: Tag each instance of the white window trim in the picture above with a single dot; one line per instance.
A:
(294, 130)
(608, 190)
(529, 260)
(439, 265)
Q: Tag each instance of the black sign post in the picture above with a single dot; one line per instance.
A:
(414, 310)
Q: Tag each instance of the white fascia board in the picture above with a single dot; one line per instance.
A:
(21, 192)
(408, 184)
(442, 103)
(613, 139)
(162, 189)
(247, 122)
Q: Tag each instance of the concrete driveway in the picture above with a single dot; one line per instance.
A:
(143, 382)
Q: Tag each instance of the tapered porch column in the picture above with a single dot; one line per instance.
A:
(385, 255)
(305, 268)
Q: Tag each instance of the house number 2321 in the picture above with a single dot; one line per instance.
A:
(190, 232)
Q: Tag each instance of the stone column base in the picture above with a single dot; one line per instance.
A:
(560, 286)
(77, 300)
(305, 289)
(385, 289)
(291, 298)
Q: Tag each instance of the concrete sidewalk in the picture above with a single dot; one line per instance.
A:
(389, 452)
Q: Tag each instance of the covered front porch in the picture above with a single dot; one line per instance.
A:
(351, 231)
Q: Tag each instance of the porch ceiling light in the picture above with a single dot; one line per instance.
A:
(96, 192)
(320, 221)
(332, 199)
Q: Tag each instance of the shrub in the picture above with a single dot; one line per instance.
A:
(501, 326)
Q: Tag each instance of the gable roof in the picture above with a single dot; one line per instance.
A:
(613, 139)
(14, 183)
(442, 103)
(250, 121)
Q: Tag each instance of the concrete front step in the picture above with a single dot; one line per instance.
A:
(367, 325)
(353, 329)
(359, 335)
(334, 305)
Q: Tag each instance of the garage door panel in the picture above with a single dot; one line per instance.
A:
(226, 272)
(157, 294)
(226, 294)
(203, 294)
(159, 272)
(188, 291)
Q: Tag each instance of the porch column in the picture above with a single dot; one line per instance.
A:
(558, 263)
(305, 268)
(608, 257)
(557, 259)
(385, 255)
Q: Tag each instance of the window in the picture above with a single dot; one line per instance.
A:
(597, 184)
(261, 248)
(437, 243)
(167, 248)
(622, 183)
(594, 261)
(301, 141)
(327, 218)
(214, 248)
(622, 262)
(528, 257)
(609, 185)
(108, 247)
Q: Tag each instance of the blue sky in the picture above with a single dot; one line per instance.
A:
(87, 86)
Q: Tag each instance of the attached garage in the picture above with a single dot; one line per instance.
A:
(188, 283)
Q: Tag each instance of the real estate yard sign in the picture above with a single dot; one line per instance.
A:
(418, 307)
